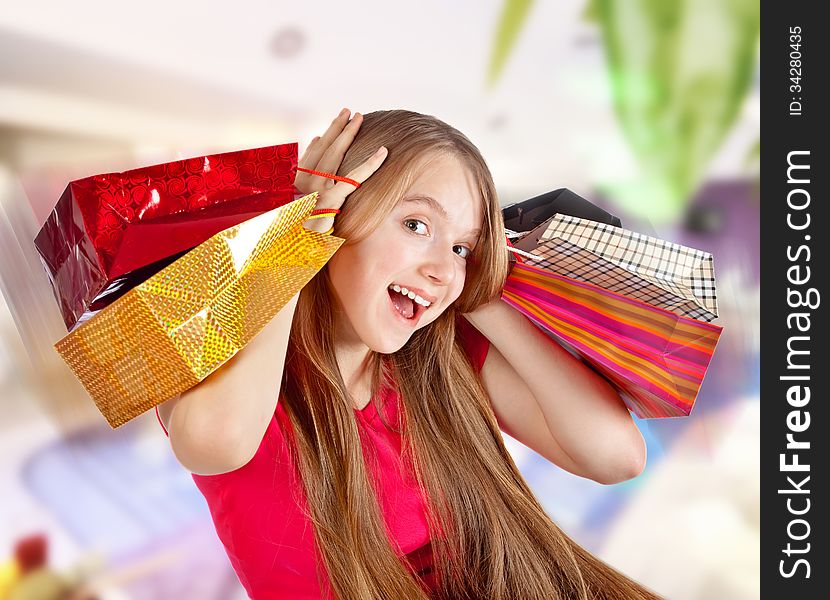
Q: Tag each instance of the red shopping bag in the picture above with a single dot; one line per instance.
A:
(111, 231)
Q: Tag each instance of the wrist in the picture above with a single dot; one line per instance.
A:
(321, 219)
(319, 225)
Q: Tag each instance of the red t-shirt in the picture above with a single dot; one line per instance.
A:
(256, 509)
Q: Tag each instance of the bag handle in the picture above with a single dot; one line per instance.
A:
(330, 176)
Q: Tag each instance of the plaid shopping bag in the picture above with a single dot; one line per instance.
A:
(659, 272)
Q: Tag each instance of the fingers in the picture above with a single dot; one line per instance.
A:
(326, 153)
(361, 173)
(316, 148)
(305, 159)
(333, 155)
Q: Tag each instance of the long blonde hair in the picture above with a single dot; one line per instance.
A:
(490, 536)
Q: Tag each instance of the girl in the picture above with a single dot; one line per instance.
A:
(352, 449)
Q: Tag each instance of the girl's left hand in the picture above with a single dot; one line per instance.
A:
(325, 154)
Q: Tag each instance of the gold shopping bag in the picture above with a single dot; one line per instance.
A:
(171, 331)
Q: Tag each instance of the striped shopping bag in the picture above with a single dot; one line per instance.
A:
(656, 358)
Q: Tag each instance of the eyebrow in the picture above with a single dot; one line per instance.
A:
(437, 207)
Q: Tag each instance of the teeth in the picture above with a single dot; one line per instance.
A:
(410, 294)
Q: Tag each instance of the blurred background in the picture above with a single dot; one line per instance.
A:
(649, 109)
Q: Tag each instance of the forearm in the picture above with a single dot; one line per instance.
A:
(219, 423)
(583, 412)
(235, 403)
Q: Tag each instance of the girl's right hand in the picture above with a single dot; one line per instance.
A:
(325, 154)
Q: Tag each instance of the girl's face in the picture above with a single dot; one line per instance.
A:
(423, 246)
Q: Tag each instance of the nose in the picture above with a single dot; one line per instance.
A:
(439, 266)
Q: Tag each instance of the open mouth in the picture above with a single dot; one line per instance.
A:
(408, 308)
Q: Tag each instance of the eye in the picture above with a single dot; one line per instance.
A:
(407, 221)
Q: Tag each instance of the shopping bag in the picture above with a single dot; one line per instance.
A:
(655, 358)
(659, 272)
(172, 330)
(108, 232)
